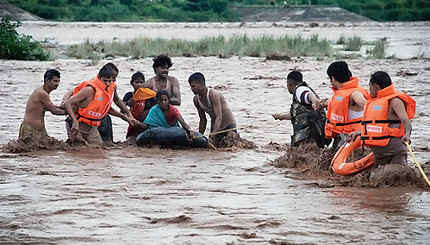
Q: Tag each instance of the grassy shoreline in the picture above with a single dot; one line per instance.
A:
(239, 45)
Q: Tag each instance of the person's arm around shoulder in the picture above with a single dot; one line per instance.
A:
(202, 116)
(399, 109)
(49, 106)
(176, 91)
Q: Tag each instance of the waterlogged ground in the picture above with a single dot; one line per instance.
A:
(131, 195)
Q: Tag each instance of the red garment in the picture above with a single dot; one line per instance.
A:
(172, 115)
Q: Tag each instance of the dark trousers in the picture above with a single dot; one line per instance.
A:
(105, 129)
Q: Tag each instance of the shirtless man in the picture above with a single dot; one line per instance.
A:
(212, 102)
(38, 103)
(162, 80)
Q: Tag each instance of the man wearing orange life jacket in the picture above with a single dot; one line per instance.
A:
(345, 108)
(93, 100)
(386, 122)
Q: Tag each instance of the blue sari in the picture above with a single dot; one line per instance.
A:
(156, 119)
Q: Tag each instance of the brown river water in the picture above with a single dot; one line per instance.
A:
(131, 195)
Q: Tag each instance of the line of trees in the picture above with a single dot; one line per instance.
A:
(208, 10)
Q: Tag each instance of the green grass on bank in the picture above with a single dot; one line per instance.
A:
(210, 46)
(240, 45)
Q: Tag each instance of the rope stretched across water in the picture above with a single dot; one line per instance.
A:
(419, 167)
(220, 132)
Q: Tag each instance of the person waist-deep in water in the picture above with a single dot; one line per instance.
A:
(308, 124)
(386, 126)
(345, 107)
(212, 102)
(89, 104)
(38, 103)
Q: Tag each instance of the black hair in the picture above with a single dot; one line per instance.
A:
(381, 78)
(295, 76)
(340, 71)
(197, 77)
(162, 92)
(162, 60)
(105, 72)
(51, 73)
(112, 67)
(136, 76)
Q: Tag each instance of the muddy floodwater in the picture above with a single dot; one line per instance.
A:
(131, 195)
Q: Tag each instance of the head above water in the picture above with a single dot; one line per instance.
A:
(50, 74)
(163, 61)
(197, 77)
(106, 75)
(137, 80)
(294, 78)
(197, 83)
(378, 81)
(339, 71)
(163, 99)
(115, 70)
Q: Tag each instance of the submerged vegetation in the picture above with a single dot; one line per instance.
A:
(209, 10)
(241, 45)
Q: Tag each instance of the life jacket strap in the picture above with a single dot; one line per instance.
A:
(380, 121)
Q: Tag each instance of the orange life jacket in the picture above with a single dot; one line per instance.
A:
(337, 110)
(99, 106)
(375, 130)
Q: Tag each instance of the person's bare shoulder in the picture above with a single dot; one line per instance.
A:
(173, 79)
(148, 83)
(39, 94)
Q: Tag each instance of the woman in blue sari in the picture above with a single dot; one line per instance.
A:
(163, 123)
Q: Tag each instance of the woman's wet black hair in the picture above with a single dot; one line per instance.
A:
(162, 92)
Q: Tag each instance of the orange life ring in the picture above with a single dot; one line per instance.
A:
(339, 164)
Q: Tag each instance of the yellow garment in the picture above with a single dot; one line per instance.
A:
(143, 94)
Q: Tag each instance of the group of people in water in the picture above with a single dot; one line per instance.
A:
(151, 104)
(379, 117)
